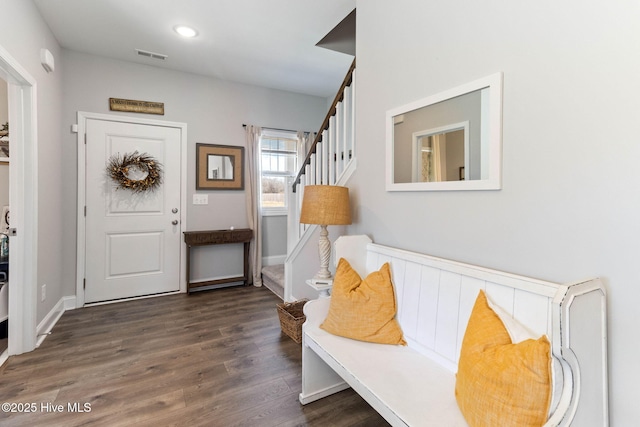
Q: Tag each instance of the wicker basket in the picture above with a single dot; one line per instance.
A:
(292, 318)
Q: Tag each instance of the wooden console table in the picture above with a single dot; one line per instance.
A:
(218, 237)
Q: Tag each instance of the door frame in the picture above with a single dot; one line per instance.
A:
(23, 199)
(83, 116)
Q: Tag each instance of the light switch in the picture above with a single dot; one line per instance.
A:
(200, 199)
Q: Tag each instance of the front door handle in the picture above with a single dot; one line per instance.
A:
(174, 222)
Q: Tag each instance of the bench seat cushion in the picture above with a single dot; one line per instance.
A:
(385, 375)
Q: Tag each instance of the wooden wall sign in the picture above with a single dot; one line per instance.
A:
(133, 106)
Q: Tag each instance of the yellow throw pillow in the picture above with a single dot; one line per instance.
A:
(364, 310)
(499, 383)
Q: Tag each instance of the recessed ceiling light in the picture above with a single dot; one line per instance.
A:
(185, 31)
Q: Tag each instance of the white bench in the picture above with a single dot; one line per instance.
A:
(414, 385)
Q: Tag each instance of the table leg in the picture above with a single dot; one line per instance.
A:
(246, 263)
(188, 268)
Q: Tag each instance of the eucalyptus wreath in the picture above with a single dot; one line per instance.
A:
(119, 167)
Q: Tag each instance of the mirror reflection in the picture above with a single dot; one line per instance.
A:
(439, 156)
(439, 141)
(219, 167)
(449, 141)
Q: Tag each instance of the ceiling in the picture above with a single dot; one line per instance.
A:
(269, 43)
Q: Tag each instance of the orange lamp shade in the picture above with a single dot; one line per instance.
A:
(325, 205)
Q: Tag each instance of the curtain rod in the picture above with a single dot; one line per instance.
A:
(284, 130)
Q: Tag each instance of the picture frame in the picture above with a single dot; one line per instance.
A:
(219, 167)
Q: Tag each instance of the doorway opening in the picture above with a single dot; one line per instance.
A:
(4, 228)
(23, 190)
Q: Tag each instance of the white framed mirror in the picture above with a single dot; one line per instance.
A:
(450, 141)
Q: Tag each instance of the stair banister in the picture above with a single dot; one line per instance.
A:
(325, 124)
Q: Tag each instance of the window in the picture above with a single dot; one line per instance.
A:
(279, 162)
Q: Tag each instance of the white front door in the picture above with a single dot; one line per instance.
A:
(132, 239)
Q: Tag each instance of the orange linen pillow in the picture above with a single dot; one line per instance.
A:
(499, 383)
(364, 310)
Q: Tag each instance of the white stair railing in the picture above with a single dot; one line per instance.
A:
(330, 161)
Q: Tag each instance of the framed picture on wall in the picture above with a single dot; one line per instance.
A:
(219, 167)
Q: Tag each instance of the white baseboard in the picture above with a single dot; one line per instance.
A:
(273, 260)
(319, 394)
(210, 279)
(49, 321)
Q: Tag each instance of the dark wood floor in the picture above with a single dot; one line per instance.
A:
(213, 358)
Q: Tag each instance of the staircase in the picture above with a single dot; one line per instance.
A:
(330, 161)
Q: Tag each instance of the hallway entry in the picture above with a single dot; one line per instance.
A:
(133, 238)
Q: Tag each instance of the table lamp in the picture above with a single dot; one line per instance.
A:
(325, 205)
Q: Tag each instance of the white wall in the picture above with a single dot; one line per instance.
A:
(274, 239)
(570, 204)
(214, 111)
(23, 33)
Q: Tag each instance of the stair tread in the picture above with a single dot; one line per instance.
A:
(275, 272)
(273, 278)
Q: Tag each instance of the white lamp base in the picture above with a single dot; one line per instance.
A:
(324, 250)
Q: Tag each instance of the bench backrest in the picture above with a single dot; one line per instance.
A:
(435, 297)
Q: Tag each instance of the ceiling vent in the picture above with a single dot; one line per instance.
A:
(151, 55)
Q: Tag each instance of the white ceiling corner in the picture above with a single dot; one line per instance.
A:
(264, 43)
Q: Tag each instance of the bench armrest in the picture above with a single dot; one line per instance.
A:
(316, 311)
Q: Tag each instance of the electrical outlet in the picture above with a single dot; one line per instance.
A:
(43, 295)
(200, 199)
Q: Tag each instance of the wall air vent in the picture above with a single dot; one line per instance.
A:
(151, 55)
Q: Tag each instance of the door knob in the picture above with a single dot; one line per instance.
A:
(174, 222)
(174, 210)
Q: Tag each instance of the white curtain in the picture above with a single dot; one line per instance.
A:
(252, 193)
(306, 140)
(439, 158)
